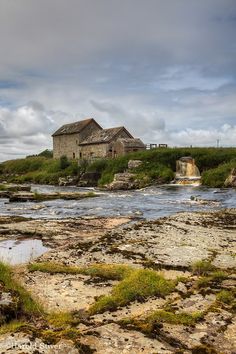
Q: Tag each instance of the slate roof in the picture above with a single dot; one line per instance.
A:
(75, 127)
(134, 143)
(104, 136)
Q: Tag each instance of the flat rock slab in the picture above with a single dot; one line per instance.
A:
(195, 303)
(133, 310)
(64, 292)
(176, 242)
(59, 232)
(112, 339)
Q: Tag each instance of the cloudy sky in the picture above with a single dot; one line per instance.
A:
(166, 69)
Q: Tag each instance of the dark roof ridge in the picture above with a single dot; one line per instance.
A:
(101, 137)
(74, 127)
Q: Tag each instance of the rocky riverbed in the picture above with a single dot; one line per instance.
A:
(193, 253)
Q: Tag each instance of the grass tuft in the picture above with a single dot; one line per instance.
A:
(60, 319)
(104, 271)
(148, 324)
(29, 306)
(226, 297)
(203, 267)
(12, 327)
(138, 285)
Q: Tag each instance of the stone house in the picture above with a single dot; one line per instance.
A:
(67, 139)
(87, 140)
(123, 146)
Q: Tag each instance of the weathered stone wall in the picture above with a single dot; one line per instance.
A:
(92, 151)
(100, 150)
(66, 145)
(69, 144)
(118, 149)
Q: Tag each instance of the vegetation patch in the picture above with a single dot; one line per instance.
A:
(104, 271)
(226, 297)
(38, 169)
(138, 285)
(158, 166)
(50, 336)
(202, 267)
(149, 324)
(216, 177)
(215, 277)
(28, 305)
(12, 326)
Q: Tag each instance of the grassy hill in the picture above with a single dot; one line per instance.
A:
(158, 166)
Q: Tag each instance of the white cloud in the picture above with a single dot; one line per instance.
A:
(164, 69)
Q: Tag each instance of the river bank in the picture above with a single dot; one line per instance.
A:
(191, 254)
(157, 166)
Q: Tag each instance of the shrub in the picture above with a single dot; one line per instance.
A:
(202, 267)
(64, 162)
(217, 176)
(46, 153)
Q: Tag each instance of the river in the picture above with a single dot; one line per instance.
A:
(149, 203)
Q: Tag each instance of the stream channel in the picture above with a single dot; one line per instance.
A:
(149, 203)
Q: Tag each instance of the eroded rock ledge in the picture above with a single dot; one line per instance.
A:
(168, 245)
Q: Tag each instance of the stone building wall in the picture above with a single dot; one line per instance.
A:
(100, 150)
(119, 149)
(94, 151)
(68, 144)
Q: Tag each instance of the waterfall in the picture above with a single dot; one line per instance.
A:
(187, 172)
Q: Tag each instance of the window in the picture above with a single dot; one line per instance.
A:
(73, 155)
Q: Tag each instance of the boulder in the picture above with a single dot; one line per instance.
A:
(67, 181)
(123, 181)
(89, 179)
(231, 179)
(134, 164)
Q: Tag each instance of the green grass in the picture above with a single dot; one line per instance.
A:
(226, 297)
(12, 326)
(202, 267)
(158, 166)
(216, 177)
(138, 285)
(37, 169)
(61, 319)
(135, 284)
(148, 324)
(29, 306)
(104, 271)
(214, 277)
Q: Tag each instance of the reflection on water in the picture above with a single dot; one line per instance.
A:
(21, 251)
(151, 202)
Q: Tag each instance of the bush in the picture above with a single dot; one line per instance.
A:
(217, 176)
(202, 267)
(64, 162)
(46, 153)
